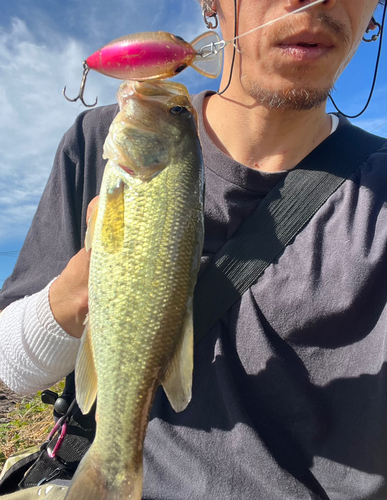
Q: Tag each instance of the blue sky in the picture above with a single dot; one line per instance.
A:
(42, 46)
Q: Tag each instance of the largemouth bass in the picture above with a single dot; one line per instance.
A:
(146, 238)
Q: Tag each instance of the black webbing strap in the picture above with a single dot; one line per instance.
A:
(277, 220)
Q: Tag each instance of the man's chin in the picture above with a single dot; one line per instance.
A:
(290, 100)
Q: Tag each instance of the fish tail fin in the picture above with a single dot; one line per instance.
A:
(91, 482)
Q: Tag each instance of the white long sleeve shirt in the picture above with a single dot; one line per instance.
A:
(35, 352)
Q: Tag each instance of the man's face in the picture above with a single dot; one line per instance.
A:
(305, 53)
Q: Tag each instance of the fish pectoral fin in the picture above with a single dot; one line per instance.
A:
(85, 374)
(177, 382)
(91, 227)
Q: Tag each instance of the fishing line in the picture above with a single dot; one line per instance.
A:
(234, 49)
(375, 73)
(265, 25)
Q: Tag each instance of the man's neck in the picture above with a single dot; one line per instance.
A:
(267, 140)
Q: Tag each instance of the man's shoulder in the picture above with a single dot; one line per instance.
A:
(358, 137)
(368, 182)
(377, 160)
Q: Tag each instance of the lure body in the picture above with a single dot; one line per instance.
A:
(155, 55)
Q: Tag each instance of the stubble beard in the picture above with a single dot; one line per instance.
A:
(290, 100)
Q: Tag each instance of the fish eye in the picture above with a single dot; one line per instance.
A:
(179, 38)
(180, 68)
(179, 110)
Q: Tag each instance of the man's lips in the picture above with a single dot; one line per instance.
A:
(306, 46)
(309, 39)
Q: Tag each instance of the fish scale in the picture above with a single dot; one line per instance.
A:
(136, 314)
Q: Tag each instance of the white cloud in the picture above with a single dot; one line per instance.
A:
(34, 116)
(33, 119)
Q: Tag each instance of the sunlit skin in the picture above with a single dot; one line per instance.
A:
(272, 60)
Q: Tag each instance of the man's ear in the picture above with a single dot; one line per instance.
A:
(372, 25)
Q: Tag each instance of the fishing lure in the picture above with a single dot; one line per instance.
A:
(160, 55)
(154, 55)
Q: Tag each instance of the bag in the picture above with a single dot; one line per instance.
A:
(15, 467)
(39, 468)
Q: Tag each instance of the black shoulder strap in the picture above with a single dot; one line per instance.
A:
(279, 217)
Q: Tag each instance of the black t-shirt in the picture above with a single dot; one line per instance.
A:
(290, 386)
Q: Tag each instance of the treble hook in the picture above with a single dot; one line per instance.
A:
(86, 70)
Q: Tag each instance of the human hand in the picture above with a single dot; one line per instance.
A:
(68, 294)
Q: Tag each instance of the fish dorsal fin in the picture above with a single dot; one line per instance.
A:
(91, 227)
(210, 66)
(178, 377)
(85, 374)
